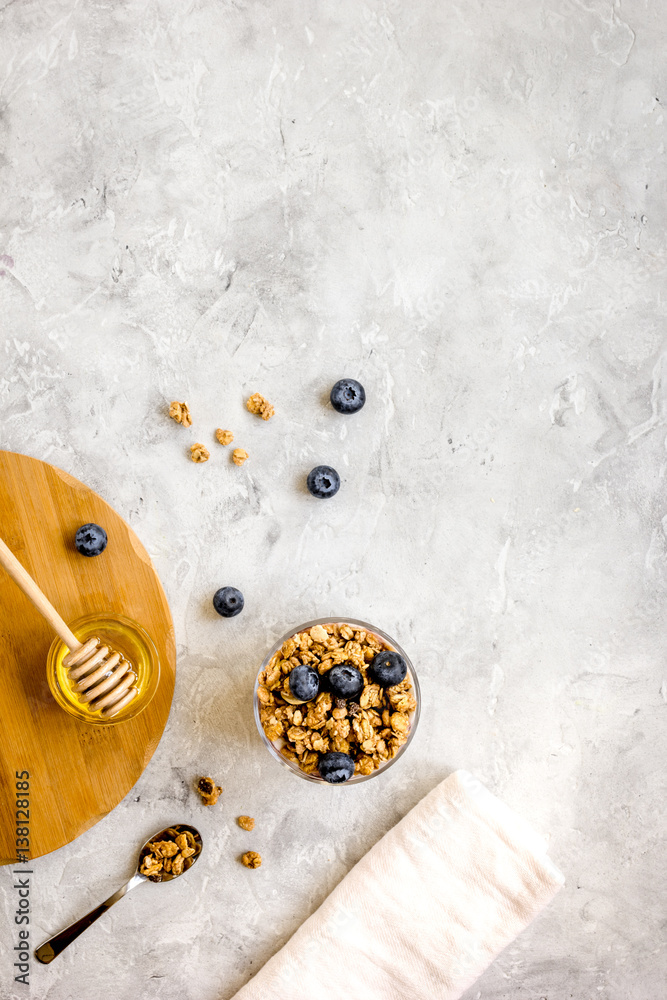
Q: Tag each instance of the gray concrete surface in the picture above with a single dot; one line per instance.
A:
(463, 205)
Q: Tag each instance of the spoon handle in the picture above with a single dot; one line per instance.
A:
(48, 951)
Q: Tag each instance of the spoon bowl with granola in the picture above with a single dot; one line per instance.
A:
(164, 857)
(336, 701)
(170, 853)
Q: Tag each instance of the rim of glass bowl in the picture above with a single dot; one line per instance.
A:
(134, 710)
(367, 627)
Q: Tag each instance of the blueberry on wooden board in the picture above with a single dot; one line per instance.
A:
(90, 540)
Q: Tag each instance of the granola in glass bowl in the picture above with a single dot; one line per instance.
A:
(336, 700)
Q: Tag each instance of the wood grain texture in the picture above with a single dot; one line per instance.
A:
(78, 772)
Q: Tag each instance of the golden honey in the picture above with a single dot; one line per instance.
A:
(121, 634)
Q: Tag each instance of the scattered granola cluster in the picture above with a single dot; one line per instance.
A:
(246, 822)
(171, 856)
(199, 453)
(209, 791)
(224, 437)
(251, 859)
(370, 729)
(257, 404)
(180, 413)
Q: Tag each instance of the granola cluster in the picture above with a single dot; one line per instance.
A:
(223, 436)
(198, 453)
(239, 456)
(251, 859)
(261, 406)
(209, 791)
(180, 413)
(370, 729)
(246, 822)
(170, 856)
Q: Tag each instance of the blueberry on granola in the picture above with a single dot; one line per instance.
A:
(336, 767)
(304, 683)
(90, 540)
(348, 395)
(228, 601)
(323, 481)
(388, 668)
(345, 681)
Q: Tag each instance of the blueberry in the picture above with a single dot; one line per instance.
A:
(323, 481)
(228, 601)
(348, 395)
(90, 540)
(336, 767)
(304, 683)
(345, 681)
(388, 668)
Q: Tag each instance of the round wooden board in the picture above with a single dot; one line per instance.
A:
(78, 772)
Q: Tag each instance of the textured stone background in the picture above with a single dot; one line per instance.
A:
(462, 204)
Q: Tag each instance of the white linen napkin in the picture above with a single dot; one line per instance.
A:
(425, 912)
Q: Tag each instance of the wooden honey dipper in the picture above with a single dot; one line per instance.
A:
(101, 677)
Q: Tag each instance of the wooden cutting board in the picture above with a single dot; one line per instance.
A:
(78, 772)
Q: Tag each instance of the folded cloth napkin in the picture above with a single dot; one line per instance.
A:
(424, 913)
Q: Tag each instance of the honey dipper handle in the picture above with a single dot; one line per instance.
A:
(25, 582)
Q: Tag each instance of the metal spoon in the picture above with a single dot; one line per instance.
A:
(54, 945)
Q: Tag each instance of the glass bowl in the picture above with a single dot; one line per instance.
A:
(122, 634)
(274, 746)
